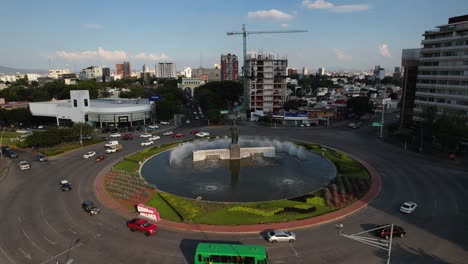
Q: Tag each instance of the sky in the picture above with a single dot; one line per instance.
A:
(342, 34)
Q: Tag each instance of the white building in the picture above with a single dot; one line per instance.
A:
(145, 68)
(189, 84)
(187, 72)
(166, 70)
(305, 71)
(379, 73)
(32, 76)
(321, 71)
(56, 73)
(100, 112)
(91, 73)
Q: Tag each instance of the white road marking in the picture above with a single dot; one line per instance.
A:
(294, 250)
(91, 221)
(47, 222)
(69, 261)
(11, 261)
(72, 231)
(58, 255)
(26, 235)
(53, 243)
(26, 255)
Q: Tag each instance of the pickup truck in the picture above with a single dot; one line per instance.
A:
(114, 149)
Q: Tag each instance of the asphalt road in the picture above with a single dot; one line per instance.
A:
(42, 224)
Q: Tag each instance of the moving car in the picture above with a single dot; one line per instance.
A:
(24, 165)
(114, 135)
(187, 121)
(178, 135)
(281, 236)
(142, 225)
(89, 207)
(384, 231)
(41, 157)
(127, 137)
(195, 131)
(408, 207)
(145, 135)
(89, 154)
(202, 134)
(146, 143)
(353, 125)
(153, 126)
(167, 133)
(114, 149)
(65, 185)
(164, 123)
(87, 137)
(111, 143)
(101, 158)
(154, 138)
(11, 154)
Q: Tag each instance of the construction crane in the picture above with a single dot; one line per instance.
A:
(245, 33)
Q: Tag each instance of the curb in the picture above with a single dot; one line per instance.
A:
(374, 190)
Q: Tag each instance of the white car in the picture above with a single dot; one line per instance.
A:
(40, 127)
(408, 207)
(24, 165)
(153, 138)
(202, 134)
(114, 135)
(89, 154)
(281, 236)
(153, 126)
(168, 133)
(196, 117)
(146, 135)
(146, 143)
(164, 123)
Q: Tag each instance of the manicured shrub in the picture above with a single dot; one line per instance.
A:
(270, 212)
(316, 201)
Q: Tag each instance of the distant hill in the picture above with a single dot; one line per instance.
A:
(4, 69)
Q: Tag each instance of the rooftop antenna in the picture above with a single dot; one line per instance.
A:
(201, 60)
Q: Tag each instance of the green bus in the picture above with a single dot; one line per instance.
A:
(211, 253)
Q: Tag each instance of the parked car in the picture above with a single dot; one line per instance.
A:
(178, 135)
(281, 236)
(89, 207)
(41, 157)
(101, 158)
(142, 225)
(24, 165)
(187, 121)
(164, 123)
(154, 138)
(146, 143)
(86, 137)
(114, 135)
(194, 131)
(153, 126)
(139, 128)
(202, 134)
(106, 130)
(384, 231)
(11, 154)
(408, 207)
(114, 130)
(167, 133)
(123, 130)
(127, 137)
(40, 127)
(89, 154)
(131, 129)
(145, 135)
(65, 185)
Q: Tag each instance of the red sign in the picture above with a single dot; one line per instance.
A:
(148, 212)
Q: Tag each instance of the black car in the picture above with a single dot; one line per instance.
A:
(384, 231)
(106, 130)
(114, 130)
(5, 149)
(89, 207)
(139, 128)
(11, 154)
(65, 185)
(123, 130)
(41, 157)
(131, 129)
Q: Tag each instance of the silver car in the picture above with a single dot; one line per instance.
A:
(281, 236)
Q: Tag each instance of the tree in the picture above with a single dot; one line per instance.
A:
(360, 105)
(449, 129)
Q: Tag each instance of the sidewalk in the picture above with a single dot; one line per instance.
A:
(374, 190)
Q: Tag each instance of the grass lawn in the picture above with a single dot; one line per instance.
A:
(7, 136)
(68, 147)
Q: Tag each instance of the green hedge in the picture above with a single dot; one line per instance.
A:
(316, 201)
(270, 212)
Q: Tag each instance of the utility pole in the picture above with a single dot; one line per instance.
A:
(1, 142)
(245, 33)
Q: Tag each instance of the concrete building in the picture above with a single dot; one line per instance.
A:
(106, 74)
(208, 75)
(99, 112)
(145, 68)
(124, 69)
(321, 71)
(166, 70)
(379, 73)
(442, 80)
(187, 72)
(12, 105)
(292, 71)
(91, 73)
(229, 67)
(397, 73)
(305, 71)
(266, 82)
(56, 73)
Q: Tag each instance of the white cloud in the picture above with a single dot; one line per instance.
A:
(151, 56)
(322, 4)
(318, 4)
(350, 8)
(93, 26)
(284, 25)
(89, 54)
(384, 51)
(270, 14)
(342, 56)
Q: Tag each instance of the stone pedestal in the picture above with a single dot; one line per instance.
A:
(234, 151)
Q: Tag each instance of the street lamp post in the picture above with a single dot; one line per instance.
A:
(374, 242)
(1, 141)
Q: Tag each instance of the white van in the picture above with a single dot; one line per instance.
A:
(111, 143)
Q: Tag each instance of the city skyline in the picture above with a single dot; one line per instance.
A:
(343, 35)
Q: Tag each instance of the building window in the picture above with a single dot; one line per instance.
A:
(75, 103)
(85, 102)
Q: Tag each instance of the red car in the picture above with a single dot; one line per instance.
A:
(127, 137)
(178, 135)
(142, 225)
(101, 158)
(194, 131)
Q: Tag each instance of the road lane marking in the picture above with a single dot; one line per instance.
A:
(294, 250)
(72, 231)
(26, 255)
(4, 253)
(26, 235)
(63, 252)
(47, 222)
(69, 261)
(53, 243)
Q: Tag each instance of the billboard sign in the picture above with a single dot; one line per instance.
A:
(148, 212)
(153, 98)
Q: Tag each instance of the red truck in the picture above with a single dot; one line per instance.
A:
(142, 225)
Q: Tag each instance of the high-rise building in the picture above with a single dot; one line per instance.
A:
(119, 69)
(106, 75)
(229, 67)
(410, 63)
(166, 70)
(305, 71)
(91, 73)
(266, 81)
(442, 80)
(144, 68)
(124, 69)
(292, 71)
(397, 73)
(187, 72)
(321, 71)
(379, 73)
